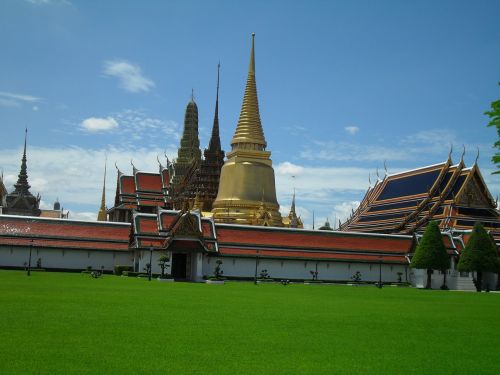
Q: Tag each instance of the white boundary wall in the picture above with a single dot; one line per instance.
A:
(301, 269)
(59, 258)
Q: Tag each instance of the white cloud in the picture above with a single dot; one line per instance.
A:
(10, 99)
(130, 75)
(84, 216)
(49, 2)
(21, 97)
(4, 102)
(346, 151)
(35, 108)
(431, 144)
(287, 168)
(343, 211)
(351, 129)
(96, 124)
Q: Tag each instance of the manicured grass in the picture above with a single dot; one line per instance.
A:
(54, 323)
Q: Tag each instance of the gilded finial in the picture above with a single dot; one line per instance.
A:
(102, 216)
(369, 178)
(249, 130)
(463, 153)
(477, 155)
(451, 151)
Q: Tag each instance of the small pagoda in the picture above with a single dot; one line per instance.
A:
(21, 201)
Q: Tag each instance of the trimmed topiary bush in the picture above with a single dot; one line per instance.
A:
(431, 253)
(479, 255)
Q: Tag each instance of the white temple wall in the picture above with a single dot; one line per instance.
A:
(454, 279)
(59, 258)
(144, 258)
(301, 269)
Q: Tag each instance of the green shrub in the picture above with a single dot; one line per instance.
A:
(431, 254)
(119, 269)
(479, 255)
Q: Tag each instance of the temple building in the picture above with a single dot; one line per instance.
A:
(141, 192)
(205, 184)
(3, 194)
(292, 220)
(403, 203)
(247, 192)
(21, 201)
(188, 157)
(189, 182)
(168, 213)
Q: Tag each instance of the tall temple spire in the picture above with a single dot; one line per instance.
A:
(214, 144)
(249, 133)
(22, 186)
(21, 201)
(102, 216)
(248, 169)
(208, 175)
(188, 154)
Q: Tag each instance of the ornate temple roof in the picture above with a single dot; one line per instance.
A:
(63, 233)
(187, 229)
(404, 202)
(142, 189)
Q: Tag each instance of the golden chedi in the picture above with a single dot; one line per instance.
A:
(247, 193)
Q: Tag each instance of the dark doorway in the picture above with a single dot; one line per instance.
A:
(179, 263)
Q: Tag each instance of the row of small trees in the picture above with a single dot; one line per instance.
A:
(479, 254)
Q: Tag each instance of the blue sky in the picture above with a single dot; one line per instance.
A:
(343, 86)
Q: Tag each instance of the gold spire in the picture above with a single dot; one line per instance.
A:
(102, 216)
(248, 170)
(249, 133)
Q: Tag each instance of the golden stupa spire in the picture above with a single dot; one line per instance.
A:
(249, 133)
(102, 216)
(248, 170)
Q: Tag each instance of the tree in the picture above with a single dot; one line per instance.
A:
(479, 255)
(431, 253)
(494, 115)
(163, 263)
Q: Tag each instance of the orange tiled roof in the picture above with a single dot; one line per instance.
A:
(63, 233)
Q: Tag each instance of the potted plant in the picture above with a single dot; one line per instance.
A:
(218, 272)
(356, 277)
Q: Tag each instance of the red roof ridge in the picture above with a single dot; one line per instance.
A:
(37, 218)
(302, 230)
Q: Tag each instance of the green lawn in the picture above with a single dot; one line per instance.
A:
(70, 323)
